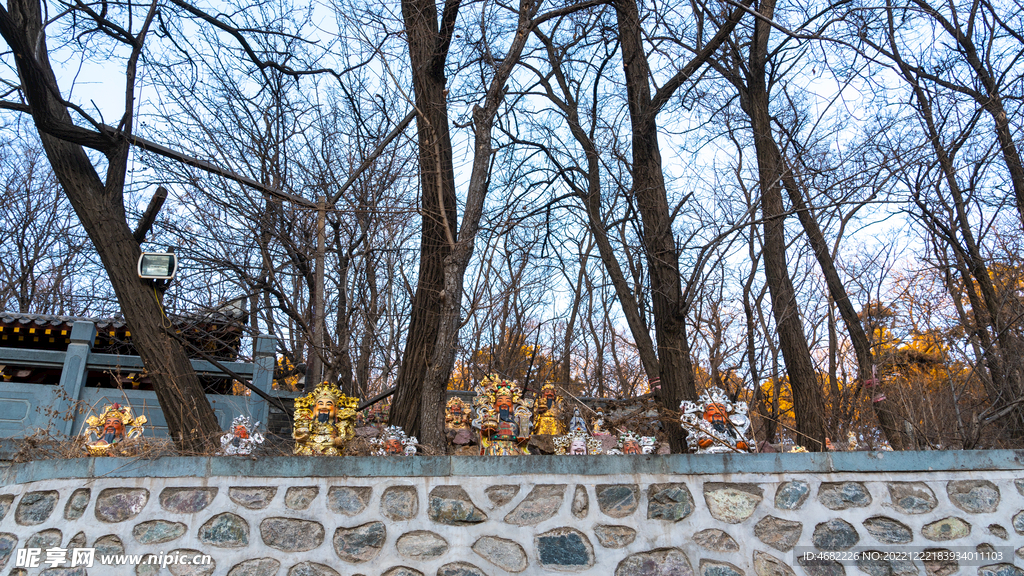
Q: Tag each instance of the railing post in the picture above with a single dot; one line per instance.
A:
(72, 378)
(262, 374)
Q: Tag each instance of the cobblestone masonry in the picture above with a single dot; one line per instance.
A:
(359, 519)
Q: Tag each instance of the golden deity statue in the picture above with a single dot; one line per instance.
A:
(324, 421)
(548, 412)
(457, 414)
(113, 426)
(503, 418)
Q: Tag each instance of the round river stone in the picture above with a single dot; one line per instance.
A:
(836, 534)
(541, 503)
(158, 531)
(291, 534)
(186, 500)
(361, 543)
(912, 497)
(35, 507)
(617, 500)
(564, 550)
(120, 504)
(658, 562)
(505, 554)
(792, 495)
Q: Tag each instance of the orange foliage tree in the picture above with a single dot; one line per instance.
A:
(528, 365)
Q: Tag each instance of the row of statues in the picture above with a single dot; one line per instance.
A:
(112, 431)
(324, 423)
(505, 421)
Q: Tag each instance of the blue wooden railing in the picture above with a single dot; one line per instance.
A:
(26, 408)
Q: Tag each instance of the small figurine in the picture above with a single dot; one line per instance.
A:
(599, 424)
(547, 412)
(240, 441)
(375, 415)
(457, 414)
(113, 426)
(393, 442)
(716, 424)
(631, 443)
(576, 423)
(503, 418)
(378, 413)
(324, 421)
(577, 443)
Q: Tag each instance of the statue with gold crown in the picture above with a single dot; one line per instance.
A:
(716, 424)
(549, 412)
(503, 418)
(114, 426)
(324, 421)
(457, 414)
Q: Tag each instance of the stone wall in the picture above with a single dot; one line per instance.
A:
(603, 515)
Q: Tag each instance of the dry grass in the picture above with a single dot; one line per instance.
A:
(42, 445)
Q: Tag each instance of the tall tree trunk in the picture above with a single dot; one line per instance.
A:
(1006, 376)
(591, 197)
(565, 364)
(670, 310)
(808, 403)
(372, 315)
(427, 50)
(100, 208)
(455, 264)
(887, 418)
(341, 367)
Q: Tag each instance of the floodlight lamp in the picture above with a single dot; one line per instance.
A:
(157, 265)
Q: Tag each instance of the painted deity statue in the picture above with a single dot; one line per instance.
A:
(717, 425)
(577, 423)
(378, 413)
(393, 442)
(631, 443)
(598, 424)
(457, 414)
(548, 412)
(503, 418)
(242, 439)
(577, 441)
(112, 427)
(324, 421)
(577, 444)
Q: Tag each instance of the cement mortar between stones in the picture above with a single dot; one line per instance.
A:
(652, 534)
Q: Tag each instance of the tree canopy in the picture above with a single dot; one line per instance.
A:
(816, 207)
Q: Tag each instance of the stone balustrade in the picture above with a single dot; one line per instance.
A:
(708, 515)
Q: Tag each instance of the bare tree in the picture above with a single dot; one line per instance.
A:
(44, 251)
(98, 201)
